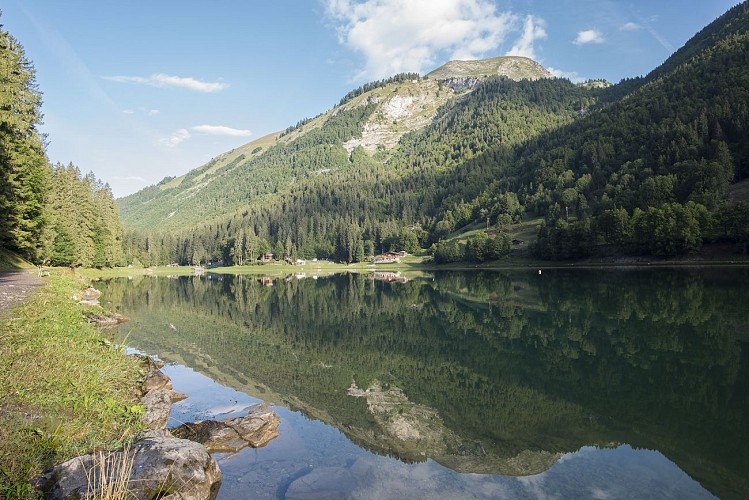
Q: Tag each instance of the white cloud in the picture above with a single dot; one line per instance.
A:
(128, 178)
(572, 76)
(534, 29)
(183, 134)
(220, 130)
(395, 36)
(177, 137)
(149, 112)
(589, 36)
(167, 81)
(630, 27)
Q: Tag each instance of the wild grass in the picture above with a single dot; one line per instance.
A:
(64, 390)
(109, 478)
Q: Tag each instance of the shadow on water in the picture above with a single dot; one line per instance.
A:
(492, 373)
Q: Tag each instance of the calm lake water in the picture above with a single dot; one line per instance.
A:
(568, 384)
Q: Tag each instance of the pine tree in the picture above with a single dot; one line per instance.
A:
(23, 164)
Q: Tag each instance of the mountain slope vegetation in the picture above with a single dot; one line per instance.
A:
(642, 167)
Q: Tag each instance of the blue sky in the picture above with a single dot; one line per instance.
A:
(139, 90)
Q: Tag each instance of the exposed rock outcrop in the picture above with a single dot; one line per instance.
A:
(259, 426)
(158, 466)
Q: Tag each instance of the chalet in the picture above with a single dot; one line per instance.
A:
(267, 257)
(387, 258)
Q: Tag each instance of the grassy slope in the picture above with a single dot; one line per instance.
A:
(64, 390)
(9, 260)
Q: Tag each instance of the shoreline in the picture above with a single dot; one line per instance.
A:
(66, 388)
(414, 266)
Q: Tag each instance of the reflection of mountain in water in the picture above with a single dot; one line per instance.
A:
(483, 372)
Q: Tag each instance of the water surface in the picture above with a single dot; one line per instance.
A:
(584, 384)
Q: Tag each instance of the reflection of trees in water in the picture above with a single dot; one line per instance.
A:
(511, 362)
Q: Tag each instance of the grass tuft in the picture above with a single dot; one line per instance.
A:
(109, 478)
(63, 390)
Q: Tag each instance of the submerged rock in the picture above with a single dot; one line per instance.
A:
(157, 466)
(104, 321)
(90, 297)
(255, 429)
(323, 482)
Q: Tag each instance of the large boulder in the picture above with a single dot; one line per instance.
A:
(157, 466)
(259, 426)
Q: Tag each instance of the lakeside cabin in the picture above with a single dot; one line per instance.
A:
(267, 257)
(389, 257)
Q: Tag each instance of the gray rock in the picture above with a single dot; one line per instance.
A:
(104, 321)
(255, 429)
(90, 297)
(155, 379)
(162, 467)
(158, 403)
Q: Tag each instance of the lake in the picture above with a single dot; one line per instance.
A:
(566, 384)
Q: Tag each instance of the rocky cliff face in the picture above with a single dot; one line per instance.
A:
(401, 108)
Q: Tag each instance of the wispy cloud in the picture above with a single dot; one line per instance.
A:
(412, 35)
(128, 178)
(149, 112)
(183, 134)
(589, 36)
(668, 46)
(221, 130)
(572, 76)
(534, 29)
(630, 27)
(177, 137)
(166, 81)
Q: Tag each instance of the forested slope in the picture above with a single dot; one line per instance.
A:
(642, 167)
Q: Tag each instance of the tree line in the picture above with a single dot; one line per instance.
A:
(48, 214)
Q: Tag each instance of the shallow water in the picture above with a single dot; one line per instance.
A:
(571, 384)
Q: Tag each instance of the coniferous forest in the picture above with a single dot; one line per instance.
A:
(48, 214)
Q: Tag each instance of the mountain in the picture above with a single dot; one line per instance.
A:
(514, 68)
(391, 110)
(641, 167)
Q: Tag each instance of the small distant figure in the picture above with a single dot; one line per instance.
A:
(539, 271)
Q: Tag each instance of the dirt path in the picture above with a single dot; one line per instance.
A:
(15, 286)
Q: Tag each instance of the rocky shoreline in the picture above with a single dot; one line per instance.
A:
(162, 463)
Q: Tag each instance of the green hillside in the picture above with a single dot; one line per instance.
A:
(640, 168)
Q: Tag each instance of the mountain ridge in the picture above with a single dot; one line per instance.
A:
(513, 67)
(603, 166)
